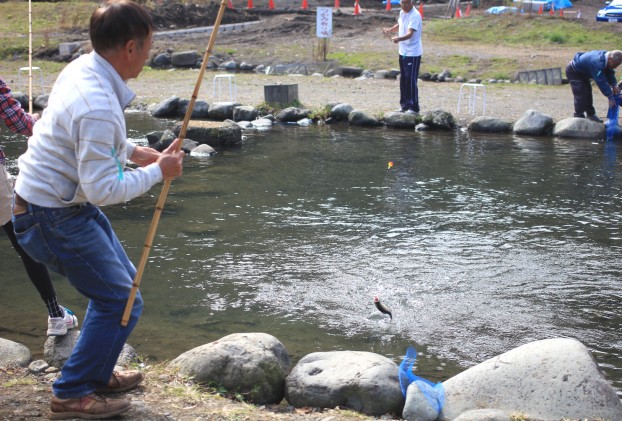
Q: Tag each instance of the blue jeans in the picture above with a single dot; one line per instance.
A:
(79, 242)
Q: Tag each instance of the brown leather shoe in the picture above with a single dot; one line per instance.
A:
(90, 407)
(122, 381)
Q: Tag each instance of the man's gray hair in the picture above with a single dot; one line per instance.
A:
(616, 57)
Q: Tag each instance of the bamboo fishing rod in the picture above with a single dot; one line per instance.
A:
(167, 183)
(30, 56)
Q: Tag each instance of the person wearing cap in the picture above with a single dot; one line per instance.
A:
(600, 66)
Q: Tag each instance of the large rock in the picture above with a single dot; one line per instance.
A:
(253, 364)
(399, 120)
(13, 354)
(216, 134)
(292, 114)
(486, 124)
(222, 110)
(166, 108)
(245, 113)
(551, 379)
(57, 350)
(185, 58)
(439, 119)
(340, 112)
(199, 110)
(363, 381)
(533, 123)
(362, 118)
(579, 128)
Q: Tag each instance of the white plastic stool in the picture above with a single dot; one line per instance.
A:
(472, 87)
(232, 86)
(34, 69)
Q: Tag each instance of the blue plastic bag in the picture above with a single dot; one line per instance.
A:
(434, 393)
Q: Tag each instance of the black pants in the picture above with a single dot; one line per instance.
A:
(409, 74)
(581, 86)
(38, 273)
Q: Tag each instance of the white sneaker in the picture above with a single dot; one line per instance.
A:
(58, 326)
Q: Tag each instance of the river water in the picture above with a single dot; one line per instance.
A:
(478, 244)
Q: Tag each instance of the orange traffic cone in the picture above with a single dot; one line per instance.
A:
(458, 13)
(305, 5)
(388, 5)
(421, 10)
(336, 4)
(229, 4)
(561, 13)
(540, 11)
(250, 4)
(357, 8)
(468, 10)
(271, 4)
(552, 11)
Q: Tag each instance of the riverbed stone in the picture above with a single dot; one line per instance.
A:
(199, 110)
(253, 364)
(222, 111)
(363, 118)
(579, 128)
(13, 354)
(362, 381)
(551, 379)
(340, 112)
(417, 406)
(245, 112)
(439, 119)
(486, 124)
(262, 123)
(185, 58)
(57, 350)
(292, 114)
(166, 108)
(487, 415)
(217, 134)
(202, 151)
(399, 120)
(534, 123)
(41, 101)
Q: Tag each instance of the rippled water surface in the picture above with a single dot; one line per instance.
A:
(478, 244)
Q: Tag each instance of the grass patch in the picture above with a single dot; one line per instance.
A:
(533, 31)
(364, 60)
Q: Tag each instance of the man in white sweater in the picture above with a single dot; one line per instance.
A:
(74, 163)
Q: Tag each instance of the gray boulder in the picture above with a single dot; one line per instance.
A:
(486, 415)
(161, 60)
(253, 364)
(362, 118)
(551, 379)
(439, 119)
(228, 65)
(245, 113)
(185, 58)
(262, 124)
(292, 114)
(353, 72)
(13, 354)
(203, 151)
(222, 110)
(362, 381)
(533, 123)
(199, 110)
(398, 120)
(41, 101)
(217, 135)
(579, 128)
(57, 350)
(340, 112)
(485, 124)
(166, 108)
(417, 406)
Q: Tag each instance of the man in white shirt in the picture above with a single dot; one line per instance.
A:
(75, 163)
(408, 28)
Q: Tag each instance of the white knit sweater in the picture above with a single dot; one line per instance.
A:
(79, 148)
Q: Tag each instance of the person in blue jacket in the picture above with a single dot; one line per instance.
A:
(598, 65)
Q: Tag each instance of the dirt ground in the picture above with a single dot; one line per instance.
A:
(279, 39)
